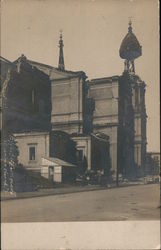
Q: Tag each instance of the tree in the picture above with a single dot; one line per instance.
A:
(9, 150)
(9, 154)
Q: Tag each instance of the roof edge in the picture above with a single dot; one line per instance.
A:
(51, 67)
(109, 79)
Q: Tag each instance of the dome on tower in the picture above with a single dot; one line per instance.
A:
(130, 48)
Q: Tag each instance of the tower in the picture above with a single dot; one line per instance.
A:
(61, 65)
(130, 49)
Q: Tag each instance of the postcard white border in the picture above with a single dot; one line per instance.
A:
(81, 235)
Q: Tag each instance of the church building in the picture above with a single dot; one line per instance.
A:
(52, 110)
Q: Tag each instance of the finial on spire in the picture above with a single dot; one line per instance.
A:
(130, 24)
(61, 32)
(61, 65)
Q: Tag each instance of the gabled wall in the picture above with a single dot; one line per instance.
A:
(26, 99)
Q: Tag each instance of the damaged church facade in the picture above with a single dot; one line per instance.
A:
(60, 118)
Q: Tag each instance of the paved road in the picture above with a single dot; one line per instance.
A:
(127, 203)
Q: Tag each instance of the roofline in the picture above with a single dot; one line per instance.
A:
(109, 79)
(58, 159)
(43, 64)
(51, 67)
(64, 78)
(6, 60)
(31, 133)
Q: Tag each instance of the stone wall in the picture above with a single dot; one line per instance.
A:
(140, 119)
(67, 105)
(104, 91)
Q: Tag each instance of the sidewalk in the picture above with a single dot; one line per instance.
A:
(62, 190)
(48, 192)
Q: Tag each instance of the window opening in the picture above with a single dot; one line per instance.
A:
(32, 153)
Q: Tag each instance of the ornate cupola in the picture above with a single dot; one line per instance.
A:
(130, 49)
(61, 65)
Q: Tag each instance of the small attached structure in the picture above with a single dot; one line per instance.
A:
(58, 170)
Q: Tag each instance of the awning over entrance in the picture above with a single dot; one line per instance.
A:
(52, 161)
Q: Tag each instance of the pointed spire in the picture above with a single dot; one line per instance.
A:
(130, 25)
(61, 65)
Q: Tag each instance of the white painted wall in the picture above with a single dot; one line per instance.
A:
(41, 140)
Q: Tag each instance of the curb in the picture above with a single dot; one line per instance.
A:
(36, 195)
(50, 194)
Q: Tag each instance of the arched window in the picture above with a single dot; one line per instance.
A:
(33, 97)
(34, 101)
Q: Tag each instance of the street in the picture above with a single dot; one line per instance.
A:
(140, 202)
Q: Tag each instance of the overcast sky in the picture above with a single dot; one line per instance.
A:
(92, 34)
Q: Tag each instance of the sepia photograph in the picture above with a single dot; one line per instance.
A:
(79, 111)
